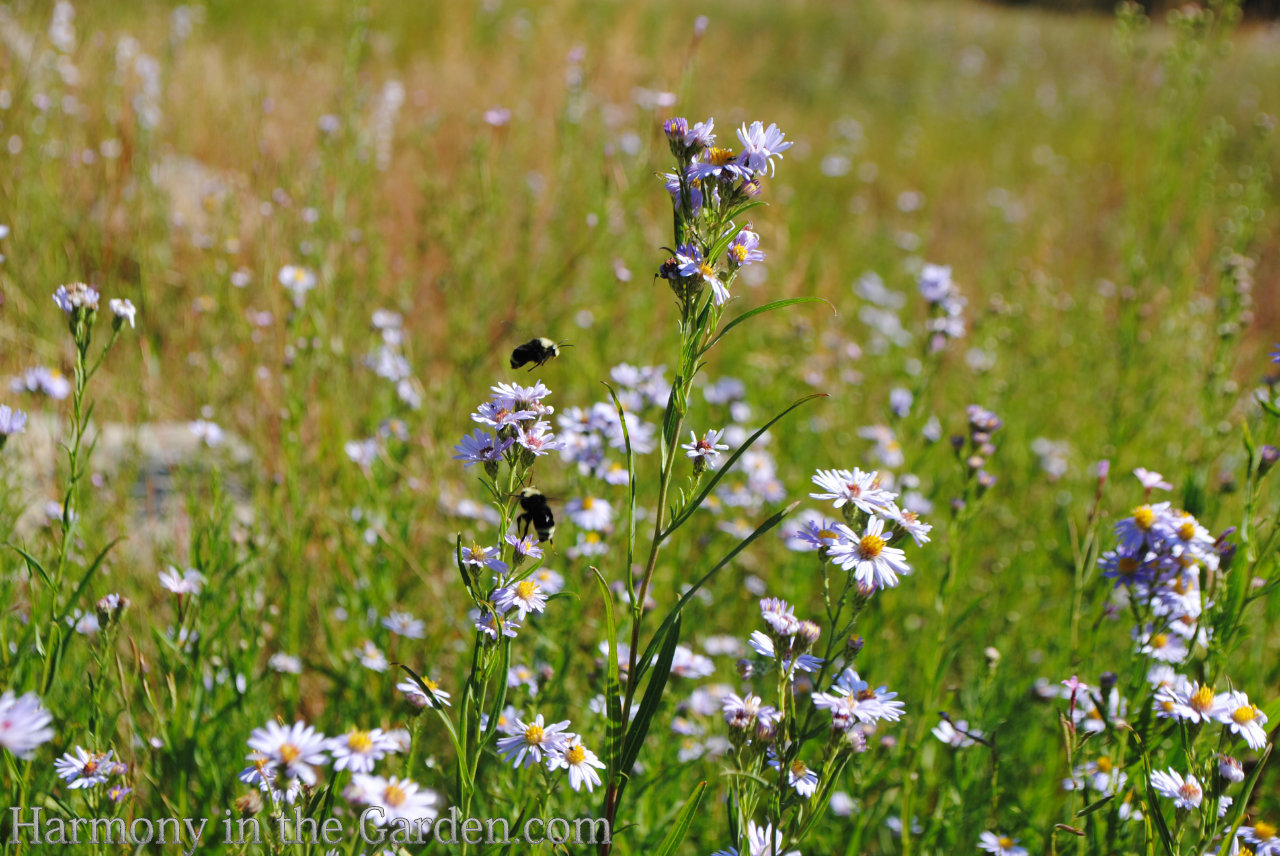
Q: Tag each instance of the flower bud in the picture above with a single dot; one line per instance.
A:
(1267, 459)
(1230, 769)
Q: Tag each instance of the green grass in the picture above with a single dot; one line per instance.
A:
(1087, 188)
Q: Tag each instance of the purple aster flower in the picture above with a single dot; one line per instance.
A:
(11, 421)
(695, 192)
(745, 249)
(760, 146)
(77, 295)
(692, 265)
(481, 447)
(718, 163)
(537, 438)
(701, 135)
(676, 128)
(1275, 355)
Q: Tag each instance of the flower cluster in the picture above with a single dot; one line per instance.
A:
(945, 305)
(388, 360)
(286, 760)
(712, 185)
(860, 544)
(532, 741)
(516, 431)
(590, 434)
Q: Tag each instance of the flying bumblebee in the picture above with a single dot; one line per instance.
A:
(536, 351)
(536, 514)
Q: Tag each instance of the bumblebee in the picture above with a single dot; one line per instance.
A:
(536, 514)
(536, 351)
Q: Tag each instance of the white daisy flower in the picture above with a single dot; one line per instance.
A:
(590, 513)
(189, 581)
(527, 743)
(84, 769)
(1141, 527)
(1166, 647)
(24, 724)
(416, 697)
(959, 734)
(1001, 845)
(524, 597)
(860, 489)
(358, 750)
(1151, 480)
(1196, 703)
(404, 624)
(910, 522)
(1185, 793)
(371, 657)
(1262, 835)
(393, 799)
(297, 750)
(494, 625)
(799, 776)
(124, 310)
(874, 564)
(706, 448)
(579, 761)
(744, 712)
(552, 582)
(1243, 718)
(779, 615)
(686, 664)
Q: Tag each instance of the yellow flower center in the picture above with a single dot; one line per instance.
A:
(592, 538)
(90, 767)
(289, 753)
(1159, 640)
(394, 795)
(589, 502)
(431, 685)
(718, 156)
(871, 545)
(576, 754)
(1187, 531)
(1190, 790)
(533, 735)
(826, 533)
(739, 252)
(1202, 699)
(359, 741)
(525, 589)
(1105, 765)
(1144, 517)
(1005, 841)
(1245, 715)
(705, 269)
(798, 768)
(1263, 830)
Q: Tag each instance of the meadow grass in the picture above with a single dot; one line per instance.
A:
(1102, 190)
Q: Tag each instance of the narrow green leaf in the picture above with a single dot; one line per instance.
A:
(760, 310)
(85, 580)
(448, 724)
(639, 728)
(1153, 807)
(643, 663)
(631, 479)
(1095, 805)
(612, 682)
(681, 826)
(500, 697)
(720, 472)
(32, 562)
